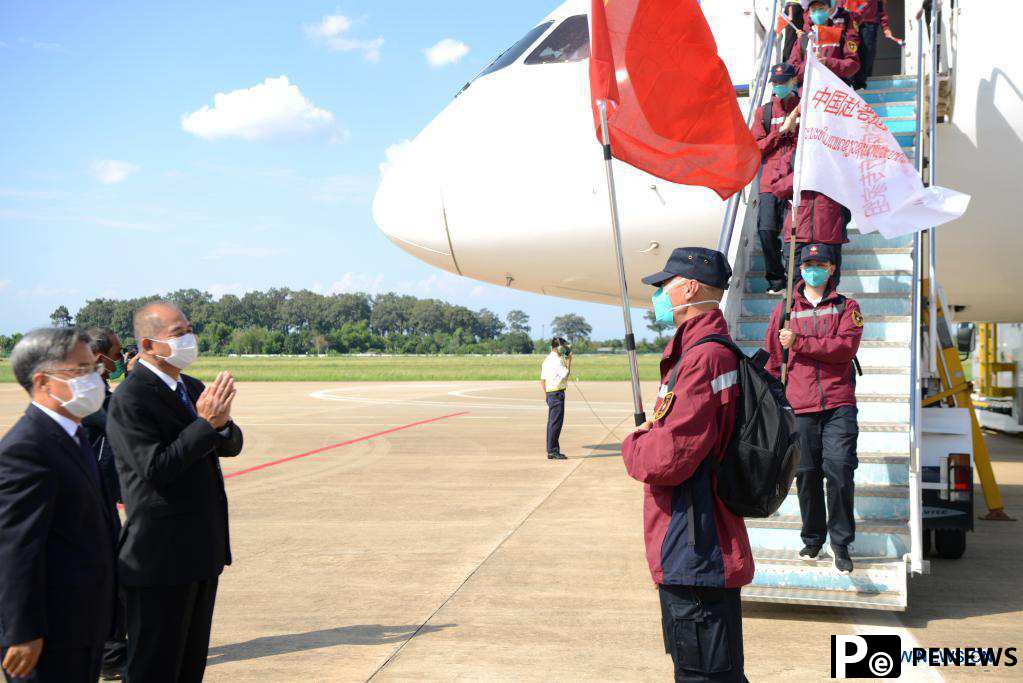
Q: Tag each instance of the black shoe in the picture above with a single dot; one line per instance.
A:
(810, 552)
(113, 673)
(841, 560)
(556, 456)
(776, 287)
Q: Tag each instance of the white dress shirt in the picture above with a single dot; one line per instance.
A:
(66, 423)
(554, 373)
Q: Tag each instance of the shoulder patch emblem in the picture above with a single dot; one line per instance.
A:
(857, 318)
(851, 46)
(665, 406)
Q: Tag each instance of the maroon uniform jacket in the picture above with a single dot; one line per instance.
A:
(776, 148)
(841, 56)
(821, 375)
(692, 539)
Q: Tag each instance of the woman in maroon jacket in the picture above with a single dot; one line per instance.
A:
(822, 337)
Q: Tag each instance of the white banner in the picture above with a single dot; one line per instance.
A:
(846, 152)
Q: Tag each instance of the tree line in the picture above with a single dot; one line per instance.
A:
(281, 321)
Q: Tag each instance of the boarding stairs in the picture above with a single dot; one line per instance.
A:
(878, 273)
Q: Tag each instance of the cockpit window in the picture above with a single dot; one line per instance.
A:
(569, 42)
(515, 51)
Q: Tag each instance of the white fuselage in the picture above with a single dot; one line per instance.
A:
(506, 185)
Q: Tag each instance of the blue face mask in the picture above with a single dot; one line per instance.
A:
(815, 276)
(783, 91)
(664, 311)
(819, 16)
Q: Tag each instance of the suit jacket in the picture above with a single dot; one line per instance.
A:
(96, 428)
(57, 539)
(176, 529)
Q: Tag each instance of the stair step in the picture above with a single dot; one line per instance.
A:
(852, 281)
(860, 259)
(896, 81)
(794, 596)
(880, 327)
(888, 95)
(875, 240)
(874, 537)
(872, 503)
(869, 576)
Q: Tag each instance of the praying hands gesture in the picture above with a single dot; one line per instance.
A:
(214, 405)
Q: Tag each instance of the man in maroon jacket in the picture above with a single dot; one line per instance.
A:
(775, 127)
(822, 337)
(697, 550)
(868, 14)
(837, 37)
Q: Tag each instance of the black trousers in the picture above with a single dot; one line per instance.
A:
(169, 631)
(115, 650)
(63, 665)
(555, 420)
(868, 51)
(770, 219)
(703, 632)
(828, 443)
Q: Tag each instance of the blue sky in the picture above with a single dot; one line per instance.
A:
(116, 182)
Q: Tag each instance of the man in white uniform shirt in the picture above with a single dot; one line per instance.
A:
(554, 380)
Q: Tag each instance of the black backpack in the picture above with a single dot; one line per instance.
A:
(756, 471)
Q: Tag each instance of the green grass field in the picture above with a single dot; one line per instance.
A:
(404, 368)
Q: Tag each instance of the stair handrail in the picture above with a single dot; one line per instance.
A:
(762, 72)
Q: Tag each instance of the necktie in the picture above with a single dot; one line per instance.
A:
(87, 454)
(183, 395)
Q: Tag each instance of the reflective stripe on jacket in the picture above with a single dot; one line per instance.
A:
(821, 375)
(691, 538)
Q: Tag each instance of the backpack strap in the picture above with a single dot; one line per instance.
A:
(718, 339)
(840, 307)
(768, 114)
(804, 40)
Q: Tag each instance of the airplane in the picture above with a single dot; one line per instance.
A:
(506, 185)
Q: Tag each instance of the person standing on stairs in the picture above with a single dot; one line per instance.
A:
(837, 37)
(822, 337)
(869, 14)
(775, 127)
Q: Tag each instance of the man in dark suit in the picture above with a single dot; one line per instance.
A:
(168, 432)
(57, 533)
(105, 343)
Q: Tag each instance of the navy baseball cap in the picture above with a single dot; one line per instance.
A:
(694, 263)
(825, 253)
(782, 73)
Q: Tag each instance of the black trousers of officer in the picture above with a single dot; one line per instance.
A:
(828, 443)
(62, 665)
(868, 51)
(770, 219)
(169, 631)
(703, 632)
(115, 650)
(555, 420)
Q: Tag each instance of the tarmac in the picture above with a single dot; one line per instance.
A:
(416, 531)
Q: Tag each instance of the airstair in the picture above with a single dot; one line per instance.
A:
(884, 277)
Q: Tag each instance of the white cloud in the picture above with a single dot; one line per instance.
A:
(220, 289)
(343, 189)
(392, 154)
(44, 292)
(445, 52)
(272, 109)
(238, 251)
(16, 193)
(354, 282)
(4, 284)
(112, 171)
(332, 31)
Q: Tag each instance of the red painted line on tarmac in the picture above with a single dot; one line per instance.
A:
(274, 463)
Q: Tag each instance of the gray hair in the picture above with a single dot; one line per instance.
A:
(101, 339)
(146, 322)
(40, 349)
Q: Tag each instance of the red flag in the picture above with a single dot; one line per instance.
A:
(677, 117)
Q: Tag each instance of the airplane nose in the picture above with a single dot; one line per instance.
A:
(408, 208)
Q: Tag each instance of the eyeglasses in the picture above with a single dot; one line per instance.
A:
(78, 371)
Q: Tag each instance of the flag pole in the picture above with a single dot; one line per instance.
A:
(630, 340)
(796, 192)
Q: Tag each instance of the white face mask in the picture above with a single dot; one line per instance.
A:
(87, 394)
(184, 350)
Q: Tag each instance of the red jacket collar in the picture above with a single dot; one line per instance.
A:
(695, 329)
(830, 295)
